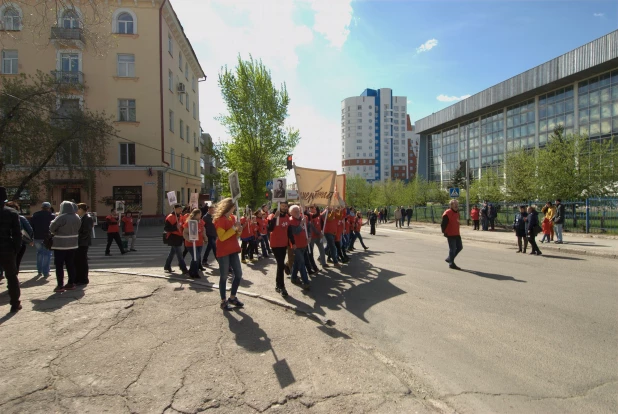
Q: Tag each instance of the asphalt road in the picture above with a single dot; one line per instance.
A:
(508, 333)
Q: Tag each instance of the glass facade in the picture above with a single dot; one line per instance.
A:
(589, 107)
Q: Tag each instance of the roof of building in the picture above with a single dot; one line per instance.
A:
(600, 54)
(182, 29)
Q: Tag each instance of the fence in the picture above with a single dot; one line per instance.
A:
(593, 215)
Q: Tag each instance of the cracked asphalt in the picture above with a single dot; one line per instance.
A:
(394, 331)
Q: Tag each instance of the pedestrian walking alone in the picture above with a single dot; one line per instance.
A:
(559, 221)
(450, 229)
(409, 212)
(519, 226)
(532, 229)
(129, 230)
(84, 240)
(10, 243)
(372, 222)
(113, 232)
(228, 249)
(397, 217)
(40, 222)
(65, 229)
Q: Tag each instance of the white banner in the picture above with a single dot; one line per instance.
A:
(194, 201)
(234, 186)
(171, 198)
(315, 186)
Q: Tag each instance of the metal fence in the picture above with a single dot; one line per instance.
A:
(593, 215)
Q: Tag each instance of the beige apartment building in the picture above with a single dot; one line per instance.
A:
(147, 74)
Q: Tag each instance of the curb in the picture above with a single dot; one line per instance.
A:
(213, 286)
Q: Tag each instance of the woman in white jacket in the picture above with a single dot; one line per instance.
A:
(65, 229)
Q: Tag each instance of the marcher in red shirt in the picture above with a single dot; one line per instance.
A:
(279, 243)
(262, 238)
(343, 257)
(330, 232)
(129, 230)
(113, 232)
(246, 236)
(297, 234)
(174, 239)
(195, 215)
(450, 228)
(228, 230)
(358, 223)
(317, 235)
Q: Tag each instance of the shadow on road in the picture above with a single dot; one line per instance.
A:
(549, 256)
(493, 276)
(56, 301)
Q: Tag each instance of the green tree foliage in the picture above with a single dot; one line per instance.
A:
(358, 192)
(521, 179)
(488, 187)
(260, 142)
(35, 134)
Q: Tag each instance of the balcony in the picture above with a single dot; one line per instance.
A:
(67, 38)
(69, 78)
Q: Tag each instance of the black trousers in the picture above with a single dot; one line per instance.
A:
(532, 240)
(280, 255)
(373, 229)
(62, 259)
(114, 237)
(8, 264)
(476, 224)
(81, 265)
(246, 248)
(19, 256)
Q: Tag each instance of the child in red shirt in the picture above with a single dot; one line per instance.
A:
(546, 226)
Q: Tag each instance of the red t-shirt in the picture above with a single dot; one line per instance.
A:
(128, 224)
(474, 214)
(339, 230)
(331, 223)
(262, 225)
(300, 238)
(359, 224)
(200, 231)
(229, 246)
(246, 230)
(316, 229)
(171, 218)
(279, 235)
(112, 224)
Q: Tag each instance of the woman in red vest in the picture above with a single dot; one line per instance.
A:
(358, 223)
(228, 230)
(195, 259)
(279, 243)
(330, 232)
(262, 223)
(297, 234)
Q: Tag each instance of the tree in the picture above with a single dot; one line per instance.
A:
(488, 187)
(36, 135)
(459, 179)
(358, 192)
(521, 175)
(260, 142)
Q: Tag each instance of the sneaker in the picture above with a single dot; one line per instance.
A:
(132, 250)
(284, 293)
(236, 302)
(296, 281)
(557, 242)
(533, 253)
(366, 248)
(325, 265)
(69, 286)
(243, 261)
(204, 263)
(538, 253)
(254, 260)
(124, 252)
(37, 275)
(195, 276)
(306, 286)
(518, 251)
(15, 308)
(59, 289)
(108, 254)
(168, 270)
(225, 306)
(337, 265)
(202, 268)
(185, 272)
(447, 260)
(454, 266)
(311, 272)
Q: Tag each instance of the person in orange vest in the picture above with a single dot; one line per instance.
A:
(330, 233)
(246, 236)
(474, 215)
(317, 237)
(228, 230)
(358, 224)
(279, 243)
(113, 232)
(195, 259)
(129, 230)
(297, 234)
(450, 228)
(262, 223)
(343, 257)
(174, 239)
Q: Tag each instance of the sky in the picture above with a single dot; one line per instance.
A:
(434, 52)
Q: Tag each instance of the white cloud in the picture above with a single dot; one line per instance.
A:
(446, 98)
(409, 101)
(428, 45)
(332, 20)
(598, 14)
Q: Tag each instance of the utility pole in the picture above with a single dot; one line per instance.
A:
(468, 174)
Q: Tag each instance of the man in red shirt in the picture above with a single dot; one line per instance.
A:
(298, 238)
(113, 232)
(317, 235)
(174, 239)
(450, 228)
(129, 230)
(279, 242)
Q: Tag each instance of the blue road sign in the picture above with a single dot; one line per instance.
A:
(453, 192)
(269, 185)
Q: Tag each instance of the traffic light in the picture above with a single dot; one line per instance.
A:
(290, 166)
(269, 195)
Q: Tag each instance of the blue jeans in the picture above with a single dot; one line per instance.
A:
(263, 242)
(195, 260)
(176, 250)
(403, 218)
(558, 232)
(454, 247)
(212, 245)
(345, 241)
(358, 236)
(320, 244)
(224, 267)
(299, 264)
(43, 258)
(330, 245)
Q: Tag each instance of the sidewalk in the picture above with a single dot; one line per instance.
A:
(574, 243)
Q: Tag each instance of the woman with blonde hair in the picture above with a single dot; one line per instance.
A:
(228, 230)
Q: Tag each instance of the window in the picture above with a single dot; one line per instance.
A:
(360, 107)
(186, 71)
(9, 62)
(187, 102)
(180, 60)
(194, 111)
(360, 114)
(181, 98)
(70, 19)
(396, 108)
(171, 120)
(359, 134)
(182, 162)
(172, 159)
(170, 80)
(69, 154)
(182, 129)
(193, 83)
(127, 154)
(359, 147)
(126, 110)
(130, 194)
(359, 127)
(188, 136)
(11, 19)
(69, 62)
(194, 140)
(125, 23)
(126, 66)
(170, 44)
(195, 168)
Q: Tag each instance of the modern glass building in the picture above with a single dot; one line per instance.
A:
(578, 90)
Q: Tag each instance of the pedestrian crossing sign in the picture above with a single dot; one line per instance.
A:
(453, 192)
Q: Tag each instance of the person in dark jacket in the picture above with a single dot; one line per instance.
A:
(10, 243)
(532, 225)
(559, 221)
(492, 213)
(65, 229)
(26, 229)
(84, 240)
(373, 218)
(40, 222)
(211, 234)
(409, 212)
(519, 226)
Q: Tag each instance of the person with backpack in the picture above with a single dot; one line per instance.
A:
(111, 226)
(174, 239)
(129, 230)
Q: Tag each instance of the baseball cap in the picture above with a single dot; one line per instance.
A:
(46, 205)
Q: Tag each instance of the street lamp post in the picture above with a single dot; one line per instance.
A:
(468, 174)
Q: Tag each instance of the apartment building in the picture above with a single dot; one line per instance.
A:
(148, 77)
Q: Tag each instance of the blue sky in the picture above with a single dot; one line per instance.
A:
(433, 52)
